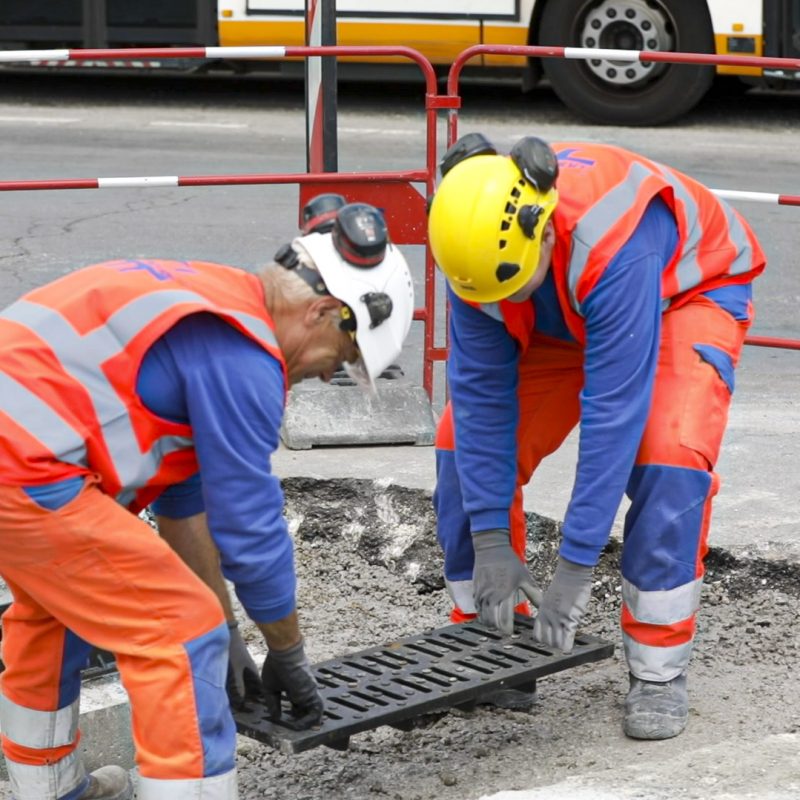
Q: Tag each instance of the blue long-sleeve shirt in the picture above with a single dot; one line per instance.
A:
(623, 322)
(231, 391)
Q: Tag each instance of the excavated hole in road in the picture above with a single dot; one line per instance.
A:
(369, 570)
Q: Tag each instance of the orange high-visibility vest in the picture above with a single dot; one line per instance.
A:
(70, 354)
(603, 194)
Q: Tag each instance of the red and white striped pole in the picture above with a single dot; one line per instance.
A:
(321, 98)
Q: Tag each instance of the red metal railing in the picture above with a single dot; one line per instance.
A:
(410, 204)
(633, 55)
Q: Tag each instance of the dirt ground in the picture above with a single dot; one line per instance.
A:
(369, 570)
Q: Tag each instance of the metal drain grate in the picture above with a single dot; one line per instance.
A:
(434, 671)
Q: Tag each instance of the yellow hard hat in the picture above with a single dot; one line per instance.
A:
(488, 216)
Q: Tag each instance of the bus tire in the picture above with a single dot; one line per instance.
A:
(671, 92)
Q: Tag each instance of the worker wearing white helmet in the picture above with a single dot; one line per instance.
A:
(156, 383)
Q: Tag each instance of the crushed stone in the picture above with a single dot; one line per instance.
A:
(370, 570)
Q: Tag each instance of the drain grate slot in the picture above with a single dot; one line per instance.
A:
(387, 693)
(395, 683)
(411, 684)
(370, 669)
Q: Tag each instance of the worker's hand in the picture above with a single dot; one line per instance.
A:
(288, 672)
(564, 605)
(243, 684)
(496, 579)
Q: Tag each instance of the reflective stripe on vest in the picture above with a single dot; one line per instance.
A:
(82, 358)
(604, 215)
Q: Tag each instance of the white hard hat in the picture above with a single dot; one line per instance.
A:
(370, 276)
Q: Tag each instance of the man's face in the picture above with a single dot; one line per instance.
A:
(545, 257)
(324, 347)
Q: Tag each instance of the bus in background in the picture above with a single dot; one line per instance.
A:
(600, 90)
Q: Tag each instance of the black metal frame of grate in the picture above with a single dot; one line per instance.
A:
(100, 662)
(434, 671)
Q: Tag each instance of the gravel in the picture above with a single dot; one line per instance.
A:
(369, 570)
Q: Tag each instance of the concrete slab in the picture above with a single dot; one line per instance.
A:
(768, 769)
(317, 414)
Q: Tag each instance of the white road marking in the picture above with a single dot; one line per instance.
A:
(41, 120)
(387, 131)
(176, 124)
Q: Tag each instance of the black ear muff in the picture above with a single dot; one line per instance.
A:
(536, 160)
(320, 213)
(472, 144)
(527, 218)
(360, 235)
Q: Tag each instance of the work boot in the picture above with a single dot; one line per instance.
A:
(522, 698)
(656, 710)
(109, 783)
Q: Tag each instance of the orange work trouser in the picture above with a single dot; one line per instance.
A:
(671, 485)
(93, 571)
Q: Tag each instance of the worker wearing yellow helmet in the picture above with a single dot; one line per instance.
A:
(588, 285)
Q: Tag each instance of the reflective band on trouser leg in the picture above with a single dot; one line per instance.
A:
(220, 787)
(64, 780)
(38, 730)
(658, 629)
(40, 751)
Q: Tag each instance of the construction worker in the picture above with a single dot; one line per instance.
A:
(120, 385)
(588, 285)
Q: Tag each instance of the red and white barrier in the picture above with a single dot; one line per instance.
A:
(759, 197)
(56, 56)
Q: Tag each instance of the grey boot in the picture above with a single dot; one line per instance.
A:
(522, 698)
(656, 710)
(109, 783)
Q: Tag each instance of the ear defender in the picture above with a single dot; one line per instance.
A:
(536, 160)
(320, 213)
(473, 144)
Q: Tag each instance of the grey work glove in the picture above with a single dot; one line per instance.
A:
(496, 578)
(288, 672)
(243, 683)
(565, 602)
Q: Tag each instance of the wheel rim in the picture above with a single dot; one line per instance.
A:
(626, 25)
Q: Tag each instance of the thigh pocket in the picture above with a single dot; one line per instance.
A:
(116, 614)
(705, 414)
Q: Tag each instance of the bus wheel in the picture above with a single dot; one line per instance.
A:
(625, 93)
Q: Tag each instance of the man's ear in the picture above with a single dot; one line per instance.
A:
(322, 308)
